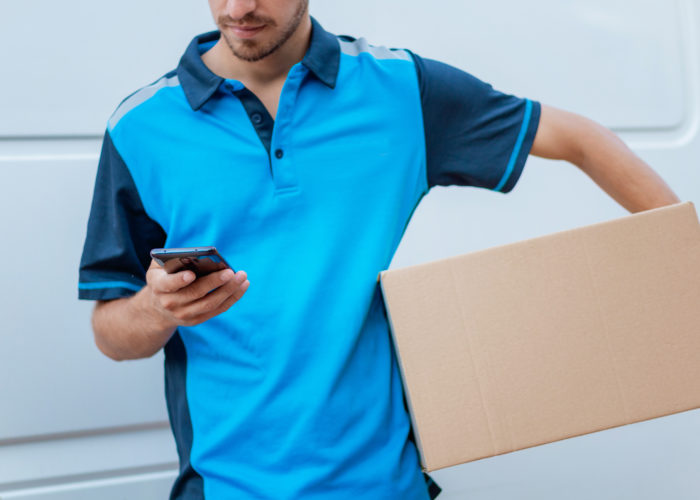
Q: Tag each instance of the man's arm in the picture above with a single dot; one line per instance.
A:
(603, 157)
(140, 325)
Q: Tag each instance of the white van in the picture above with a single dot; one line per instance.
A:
(76, 425)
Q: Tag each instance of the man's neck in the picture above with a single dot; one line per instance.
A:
(221, 61)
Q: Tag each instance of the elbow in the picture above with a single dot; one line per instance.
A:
(101, 336)
(105, 348)
(116, 354)
(113, 355)
(119, 338)
(110, 342)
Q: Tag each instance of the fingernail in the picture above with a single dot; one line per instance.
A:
(187, 277)
(226, 275)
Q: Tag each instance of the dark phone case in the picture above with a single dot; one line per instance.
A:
(200, 260)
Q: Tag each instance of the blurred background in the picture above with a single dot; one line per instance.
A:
(76, 425)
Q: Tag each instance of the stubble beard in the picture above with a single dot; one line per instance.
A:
(250, 50)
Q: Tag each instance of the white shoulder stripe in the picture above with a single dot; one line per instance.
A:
(361, 45)
(139, 97)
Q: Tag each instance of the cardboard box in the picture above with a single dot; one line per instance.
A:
(550, 338)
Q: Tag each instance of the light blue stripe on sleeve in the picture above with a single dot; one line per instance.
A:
(518, 146)
(109, 284)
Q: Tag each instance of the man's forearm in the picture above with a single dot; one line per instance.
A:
(139, 326)
(129, 328)
(621, 173)
(603, 157)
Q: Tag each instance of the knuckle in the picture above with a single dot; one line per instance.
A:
(161, 288)
(212, 281)
(223, 307)
(182, 317)
(206, 305)
(168, 303)
(196, 290)
(199, 296)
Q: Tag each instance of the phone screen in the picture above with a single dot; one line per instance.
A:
(200, 260)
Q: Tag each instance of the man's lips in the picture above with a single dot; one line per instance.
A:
(246, 31)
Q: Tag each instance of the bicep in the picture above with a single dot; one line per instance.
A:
(560, 134)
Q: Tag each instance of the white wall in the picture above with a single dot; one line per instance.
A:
(74, 424)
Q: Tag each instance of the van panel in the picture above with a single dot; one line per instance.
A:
(72, 62)
(578, 55)
(616, 61)
(62, 383)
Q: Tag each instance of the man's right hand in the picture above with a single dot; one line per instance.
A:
(182, 300)
(140, 325)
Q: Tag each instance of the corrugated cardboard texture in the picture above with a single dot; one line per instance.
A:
(550, 338)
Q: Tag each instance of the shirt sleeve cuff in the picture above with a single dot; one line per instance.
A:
(521, 150)
(107, 290)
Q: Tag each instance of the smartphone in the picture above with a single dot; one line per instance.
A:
(200, 260)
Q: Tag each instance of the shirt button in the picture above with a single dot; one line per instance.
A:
(279, 154)
(257, 118)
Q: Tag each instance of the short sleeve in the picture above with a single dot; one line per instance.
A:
(120, 234)
(474, 135)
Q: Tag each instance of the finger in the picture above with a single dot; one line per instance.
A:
(207, 284)
(241, 291)
(229, 294)
(224, 306)
(232, 299)
(180, 303)
(214, 299)
(162, 282)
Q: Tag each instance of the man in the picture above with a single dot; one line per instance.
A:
(301, 156)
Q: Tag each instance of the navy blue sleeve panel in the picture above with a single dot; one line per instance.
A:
(474, 135)
(120, 234)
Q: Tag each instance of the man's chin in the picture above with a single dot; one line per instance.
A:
(250, 51)
(251, 56)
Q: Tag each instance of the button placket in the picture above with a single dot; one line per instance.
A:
(259, 118)
(284, 174)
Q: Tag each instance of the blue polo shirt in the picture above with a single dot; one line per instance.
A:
(294, 392)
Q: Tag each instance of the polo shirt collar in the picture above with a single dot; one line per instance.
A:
(197, 81)
(322, 59)
(323, 55)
